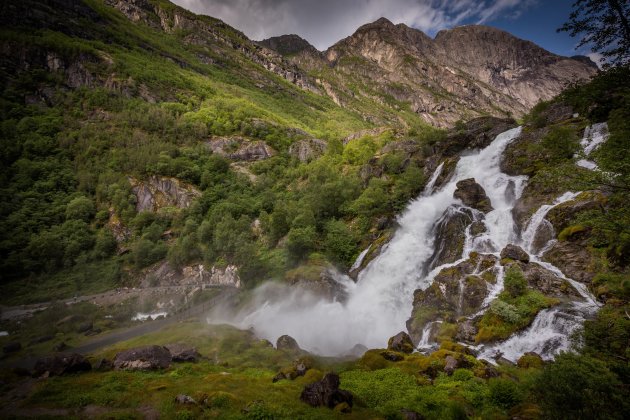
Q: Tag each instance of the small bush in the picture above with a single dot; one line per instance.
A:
(514, 281)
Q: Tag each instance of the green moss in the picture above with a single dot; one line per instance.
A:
(568, 232)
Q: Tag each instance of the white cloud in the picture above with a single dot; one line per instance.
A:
(324, 22)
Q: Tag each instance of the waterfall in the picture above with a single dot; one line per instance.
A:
(380, 302)
(594, 136)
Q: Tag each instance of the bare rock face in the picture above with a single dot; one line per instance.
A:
(473, 195)
(61, 364)
(164, 274)
(450, 235)
(573, 259)
(455, 292)
(240, 149)
(308, 150)
(158, 192)
(143, 358)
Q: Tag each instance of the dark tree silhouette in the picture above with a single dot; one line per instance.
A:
(603, 25)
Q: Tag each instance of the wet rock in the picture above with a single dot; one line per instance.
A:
(401, 342)
(475, 134)
(455, 292)
(450, 234)
(61, 364)
(326, 393)
(450, 365)
(515, 253)
(573, 259)
(12, 347)
(477, 228)
(545, 281)
(143, 358)
(392, 356)
(103, 365)
(308, 149)
(489, 371)
(473, 195)
(286, 342)
(318, 279)
(185, 400)
(183, 353)
(562, 215)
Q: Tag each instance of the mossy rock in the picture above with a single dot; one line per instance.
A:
(530, 360)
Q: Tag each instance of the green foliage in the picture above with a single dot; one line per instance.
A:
(340, 243)
(80, 208)
(514, 281)
(504, 393)
(560, 144)
(576, 387)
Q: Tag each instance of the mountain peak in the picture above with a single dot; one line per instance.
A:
(287, 44)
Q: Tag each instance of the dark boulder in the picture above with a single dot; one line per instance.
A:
(392, 356)
(61, 364)
(183, 353)
(450, 235)
(515, 253)
(401, 342)
(286, 342)
(12, 347)
(103, 365)
(143, 358)
(326, 393)
(473, 195)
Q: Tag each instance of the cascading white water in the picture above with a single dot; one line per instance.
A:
(594, 136)
(379, 304)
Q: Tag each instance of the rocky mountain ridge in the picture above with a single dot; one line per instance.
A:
(463, 72)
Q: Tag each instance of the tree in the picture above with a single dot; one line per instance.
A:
(605, 26)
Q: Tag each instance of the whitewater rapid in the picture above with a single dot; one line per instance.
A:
(380, 302)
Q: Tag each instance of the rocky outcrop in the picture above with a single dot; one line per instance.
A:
(159, 192)
(318, 279)
(473, 195)
(574, 259)
(476, 133)
(562, 215)
(401, 342)
(288, 44)
(143, 358)
(455, 291)
(372, 132)
(61, 364)
(515, 253)
(240, 149)
(308, 149)
(164, 274)
(326, 393)
(450, 234)
(546, 282)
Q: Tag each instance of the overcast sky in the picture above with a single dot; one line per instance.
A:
(324, 22)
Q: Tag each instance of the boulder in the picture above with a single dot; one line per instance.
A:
(143, 358)
(574, 259)
(545, 281)
(286, 342)
(473, 195)
(515, 253)
(326, 393)
(450, 365)
(466, 331)
(299, 368)
(12, 347)
(183, 353)
(401, 342)
(61, 364)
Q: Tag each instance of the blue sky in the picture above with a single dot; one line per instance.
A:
(324, 22)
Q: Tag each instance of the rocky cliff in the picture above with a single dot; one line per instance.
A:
(464, 72)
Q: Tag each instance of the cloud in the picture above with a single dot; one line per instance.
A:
(324, 22)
